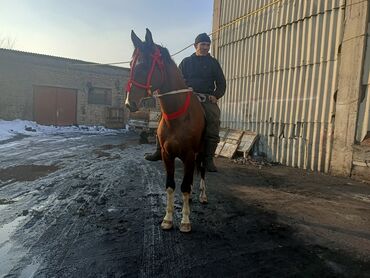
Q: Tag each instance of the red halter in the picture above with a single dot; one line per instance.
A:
(156, 59)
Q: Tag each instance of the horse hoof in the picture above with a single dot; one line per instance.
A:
(203, 200)
(185, 227)
(166, 225)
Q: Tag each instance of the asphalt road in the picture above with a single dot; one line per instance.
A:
(82, 205)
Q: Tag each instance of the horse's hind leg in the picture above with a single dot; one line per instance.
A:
(203, 199)
(189, 165)
(167, 222)
(202, 186)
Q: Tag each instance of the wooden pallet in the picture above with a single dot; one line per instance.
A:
(233, 140)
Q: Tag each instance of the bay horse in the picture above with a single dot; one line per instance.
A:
(181, 128)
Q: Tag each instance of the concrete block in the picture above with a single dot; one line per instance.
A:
(356, 14)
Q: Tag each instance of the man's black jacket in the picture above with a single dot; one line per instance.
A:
(204, 75)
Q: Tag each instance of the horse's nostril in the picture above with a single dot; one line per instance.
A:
(133, 107)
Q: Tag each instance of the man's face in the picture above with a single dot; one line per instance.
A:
(202, 48)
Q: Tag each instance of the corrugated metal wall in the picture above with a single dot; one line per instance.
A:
(281, 67)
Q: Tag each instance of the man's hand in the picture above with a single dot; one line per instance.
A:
(212, 99)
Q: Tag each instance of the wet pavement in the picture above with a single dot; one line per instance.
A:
(90, 206)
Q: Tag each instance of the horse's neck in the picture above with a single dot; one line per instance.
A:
(173, 81)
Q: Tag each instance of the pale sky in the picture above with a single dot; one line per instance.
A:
(99, 30)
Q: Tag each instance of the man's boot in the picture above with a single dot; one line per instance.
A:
(157, 155)
(210, 152)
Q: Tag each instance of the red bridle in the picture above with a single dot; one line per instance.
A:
(156, 60)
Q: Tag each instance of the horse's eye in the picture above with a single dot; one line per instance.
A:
(140, 72)
(142, 67)
(140, 61)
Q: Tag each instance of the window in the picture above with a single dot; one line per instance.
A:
(102, 96)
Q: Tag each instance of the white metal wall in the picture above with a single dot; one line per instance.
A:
(281, 68)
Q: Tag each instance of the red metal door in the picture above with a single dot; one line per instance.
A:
(55, 106)
(66, 106)
(44, 105)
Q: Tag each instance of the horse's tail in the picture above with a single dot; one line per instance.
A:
(200, 163)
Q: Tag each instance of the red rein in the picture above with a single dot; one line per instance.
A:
(156, 60)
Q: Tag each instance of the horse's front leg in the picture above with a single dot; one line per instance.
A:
(169, 163)
(187, 181)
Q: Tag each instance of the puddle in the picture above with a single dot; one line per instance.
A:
(6, 259)
(100, 153)
(29, 270)
(7, 229)
(14, 138)
(6, 201)
(26, 172)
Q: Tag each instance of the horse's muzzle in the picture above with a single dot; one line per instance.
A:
(132, 107)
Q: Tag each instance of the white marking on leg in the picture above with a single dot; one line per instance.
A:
(202, 196)
(170, 204)
(185, 209)
(167, 222)
(127, 103)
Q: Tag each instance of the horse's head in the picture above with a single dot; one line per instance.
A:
(147, 71)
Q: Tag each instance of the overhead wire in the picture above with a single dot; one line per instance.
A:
(210, 34)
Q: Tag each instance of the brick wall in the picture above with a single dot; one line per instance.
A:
(20, 71)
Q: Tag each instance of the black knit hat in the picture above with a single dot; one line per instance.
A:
(202, 38)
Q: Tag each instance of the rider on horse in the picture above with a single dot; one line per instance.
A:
(203, 73)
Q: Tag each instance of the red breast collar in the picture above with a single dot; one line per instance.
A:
(181, 111)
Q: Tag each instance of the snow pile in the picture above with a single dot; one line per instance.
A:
(9, 129)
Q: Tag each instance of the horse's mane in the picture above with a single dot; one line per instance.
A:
(147, 50)
(165, 55)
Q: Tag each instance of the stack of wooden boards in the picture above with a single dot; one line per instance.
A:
(233, 140)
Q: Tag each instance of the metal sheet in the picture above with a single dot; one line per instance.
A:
(281, 68)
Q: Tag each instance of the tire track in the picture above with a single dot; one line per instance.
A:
(159, 254)
(152, 236)
(62, 226)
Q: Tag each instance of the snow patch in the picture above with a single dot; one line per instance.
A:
(9, 129)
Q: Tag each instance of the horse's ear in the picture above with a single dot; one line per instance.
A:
(149, 38)
(135, 40)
